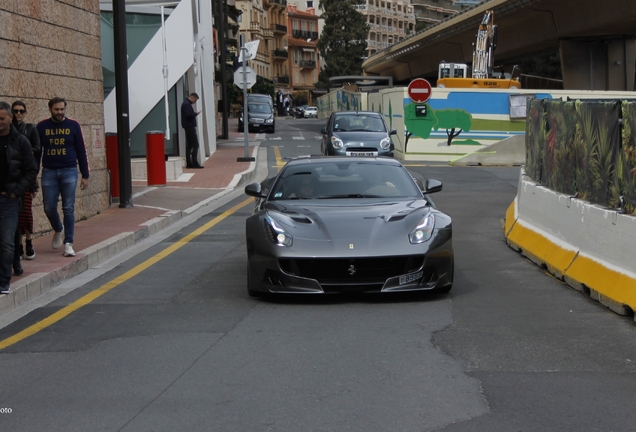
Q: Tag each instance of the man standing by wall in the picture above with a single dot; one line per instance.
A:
(17, 173)
(189, 123)
(63, 149)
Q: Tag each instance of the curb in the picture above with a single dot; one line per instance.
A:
(37, 284)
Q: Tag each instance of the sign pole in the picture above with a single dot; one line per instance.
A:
(246, 156)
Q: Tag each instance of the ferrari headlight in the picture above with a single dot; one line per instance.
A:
(385, 143)
(424, 230)
(337, 143)
(276, 233)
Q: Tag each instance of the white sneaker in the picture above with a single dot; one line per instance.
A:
(58, 238)
(68, 250)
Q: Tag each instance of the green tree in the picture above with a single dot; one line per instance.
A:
(343, 41)
(454, 121)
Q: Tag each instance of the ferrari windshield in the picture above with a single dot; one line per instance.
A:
(338, 180)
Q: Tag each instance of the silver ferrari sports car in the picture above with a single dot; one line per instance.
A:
(347, 224)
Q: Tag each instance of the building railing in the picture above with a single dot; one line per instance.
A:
(281, 79)
(267, 33)
(277, 53)
(255, 27)
(279, 2)
(304, 34)
(278, 28)
(307, 63)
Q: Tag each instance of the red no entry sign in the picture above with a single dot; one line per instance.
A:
(419, 90)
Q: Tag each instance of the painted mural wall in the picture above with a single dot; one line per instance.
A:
(454, 122)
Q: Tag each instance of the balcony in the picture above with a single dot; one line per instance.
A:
(307, 64)
(255, 27)
(278, 28)
(267, 33)
(278, 54)
(264, 57)
(279, 2)
(281, 80)
(304, 34)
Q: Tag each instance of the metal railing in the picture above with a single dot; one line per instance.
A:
(304, 34)
(281, 79)
(278, 28)
(280, 53)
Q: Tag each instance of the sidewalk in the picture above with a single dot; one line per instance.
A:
(154, 208)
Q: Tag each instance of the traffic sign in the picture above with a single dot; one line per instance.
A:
(419, 90)
(251, 48)
(248, 81)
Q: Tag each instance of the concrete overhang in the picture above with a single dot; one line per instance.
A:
(525, 28)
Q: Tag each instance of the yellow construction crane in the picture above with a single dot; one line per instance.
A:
(455, 75)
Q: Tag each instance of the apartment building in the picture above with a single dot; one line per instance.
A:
(255, 26)
(277, 12)
(302, 38)
(435, 11)
(389, 22)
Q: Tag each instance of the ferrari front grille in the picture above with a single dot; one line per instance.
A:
(351, 270)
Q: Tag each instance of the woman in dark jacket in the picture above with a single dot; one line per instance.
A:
(25, 219)
(17, 173)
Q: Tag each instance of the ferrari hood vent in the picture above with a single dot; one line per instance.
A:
(395, 218)
(300, 219)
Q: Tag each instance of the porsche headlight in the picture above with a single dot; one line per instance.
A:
(276, 233)
(337, 143)
(424, 230)
(385, 143)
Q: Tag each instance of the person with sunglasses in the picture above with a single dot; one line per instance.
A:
(25, 219)
(17, 173)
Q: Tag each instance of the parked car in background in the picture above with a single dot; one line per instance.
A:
(347, 225)
(260, 118)
(356, 133)
(311, 112)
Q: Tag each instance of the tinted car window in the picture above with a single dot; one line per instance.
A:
(358, 122)
(336, 180)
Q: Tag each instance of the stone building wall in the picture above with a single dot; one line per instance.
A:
(52, 48)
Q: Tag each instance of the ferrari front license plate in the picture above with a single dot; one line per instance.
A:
(404, 279)
(359, 153)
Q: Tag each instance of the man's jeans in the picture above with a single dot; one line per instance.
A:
(9, 210)
(55, 182)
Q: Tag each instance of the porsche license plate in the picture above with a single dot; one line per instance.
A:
(360, 153)
(404, 279)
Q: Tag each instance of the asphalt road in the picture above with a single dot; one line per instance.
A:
(179, 345)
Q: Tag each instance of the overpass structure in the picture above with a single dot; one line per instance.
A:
(596, 40)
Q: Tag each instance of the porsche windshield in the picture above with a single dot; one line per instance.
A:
(338, 180)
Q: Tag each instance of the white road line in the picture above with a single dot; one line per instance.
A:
(298, 138)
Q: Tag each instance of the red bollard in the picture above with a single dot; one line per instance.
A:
(112, 163)
(155, 158)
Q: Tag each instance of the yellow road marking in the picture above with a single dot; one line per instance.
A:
(279, 159)
(93, 295)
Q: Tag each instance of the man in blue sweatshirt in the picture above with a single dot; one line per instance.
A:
(63, 149)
